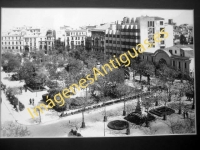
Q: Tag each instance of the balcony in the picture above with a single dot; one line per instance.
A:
(127, 46)
(127, 40)
(123, 46)
(127, 33)
(123, 33)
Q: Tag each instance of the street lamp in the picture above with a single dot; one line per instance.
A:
(39, 114)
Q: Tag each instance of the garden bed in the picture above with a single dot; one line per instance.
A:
(160, 111)
(118, 125)
(138, 119)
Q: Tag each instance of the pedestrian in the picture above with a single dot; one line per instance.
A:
(184, 114)
(21, 89)
(187, 114)
(30, 101)
(33, 101)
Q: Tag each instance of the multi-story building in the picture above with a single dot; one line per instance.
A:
(123, 37)
(97, 39)
(12, 42)
(31, 42)
(180, 57)
(75, 38)
(28, 39)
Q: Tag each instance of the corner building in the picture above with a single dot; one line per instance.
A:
(125, 36)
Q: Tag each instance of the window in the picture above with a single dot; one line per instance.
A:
(12, 47)
(12, 42)
(161, 35)
(16, 42)
(185, 65)
(179, 65)
(161, 22)
(175, 52)
(162, 42)
(173, 63)
(2, 43)
(72, 38)
(162, 29)
(170, 51)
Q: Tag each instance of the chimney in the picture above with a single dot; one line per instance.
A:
(170, 21)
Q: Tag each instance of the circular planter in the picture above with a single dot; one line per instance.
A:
(118, 125)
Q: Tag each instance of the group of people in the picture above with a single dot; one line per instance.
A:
(185, 114)
(74, 133)
(31, 101)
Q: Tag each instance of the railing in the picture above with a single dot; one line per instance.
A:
(111, 102)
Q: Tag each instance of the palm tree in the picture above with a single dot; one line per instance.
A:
(147, 103)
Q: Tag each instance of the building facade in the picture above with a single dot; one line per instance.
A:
(21, 39)
(179, 57)
(75, 38)
(12, 43)
(125, 36)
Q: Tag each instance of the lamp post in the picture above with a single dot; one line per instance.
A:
(39, 115)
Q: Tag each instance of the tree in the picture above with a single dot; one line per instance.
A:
(164, 98)
(182, 39)
(10, 62)
(147, 103)
(178, 126)
(180, 88)
(116, 76)
(27, 72)
(189, 89)
(85, 100)
(123, 90)
(11, 129)
(167, 73)
(145, 68)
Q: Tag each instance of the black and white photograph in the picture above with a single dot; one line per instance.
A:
(97, 72)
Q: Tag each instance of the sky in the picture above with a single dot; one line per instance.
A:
(76, 17)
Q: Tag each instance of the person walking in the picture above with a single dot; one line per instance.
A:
(33, 101)
(186, 114)
(30, 101)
